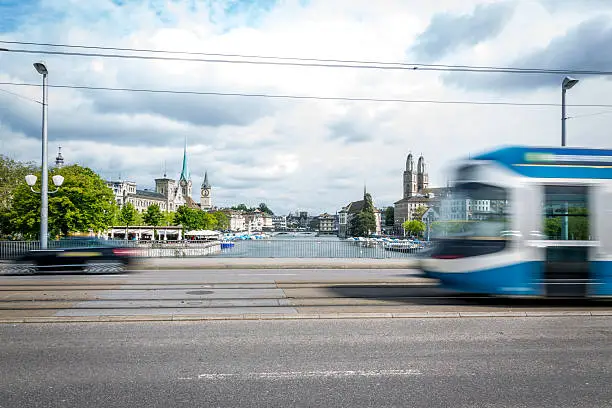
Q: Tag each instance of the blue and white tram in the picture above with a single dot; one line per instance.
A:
(524, 221)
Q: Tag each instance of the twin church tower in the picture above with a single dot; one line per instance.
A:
(415, 180)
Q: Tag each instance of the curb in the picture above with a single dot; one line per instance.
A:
(304, 316)
(273, 263)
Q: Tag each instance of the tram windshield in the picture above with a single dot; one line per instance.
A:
(473, 211)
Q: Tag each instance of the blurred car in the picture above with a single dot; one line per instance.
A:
(92, 255)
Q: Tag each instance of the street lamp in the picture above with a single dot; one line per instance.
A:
(568, 83)
(44, 193)
(57, 182)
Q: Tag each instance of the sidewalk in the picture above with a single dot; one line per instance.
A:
(275, 263)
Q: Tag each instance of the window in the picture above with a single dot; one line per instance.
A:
(477, 221)
(566, 215)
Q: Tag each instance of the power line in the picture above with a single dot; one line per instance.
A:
(378, 66)
(607, 112)
(311, 97)
(20, 96)
(395, 65)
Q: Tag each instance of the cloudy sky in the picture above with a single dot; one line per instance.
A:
(306, 154)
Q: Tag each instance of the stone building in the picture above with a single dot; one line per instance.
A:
(347, 213)
(169, 194)
(416, 191)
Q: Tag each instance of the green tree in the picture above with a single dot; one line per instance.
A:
(414, 227)
(552, 227)
(223, 222)
(12, 175)
(128, 215)
(363, 223)
(578, 225)
(241, 207)
(418, 212)
(209, 221)
(190, 218)
(83, 203)
(153, 216)
(168, 218)
(389, 216)
(263, 207)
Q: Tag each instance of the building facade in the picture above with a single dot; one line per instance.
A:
(206, 193)
(279, 222)
(326, 224)
(169, 194)
(415, 191)
(346, 214)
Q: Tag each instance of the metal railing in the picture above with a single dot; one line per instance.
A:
(260, 248)
(316, 248)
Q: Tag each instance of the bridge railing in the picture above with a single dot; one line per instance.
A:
(259, 248)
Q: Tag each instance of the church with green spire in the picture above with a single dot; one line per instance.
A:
(185, 177)
(169, 194)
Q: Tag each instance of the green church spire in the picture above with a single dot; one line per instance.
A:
(185, 171)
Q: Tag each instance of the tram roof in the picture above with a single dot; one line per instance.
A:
(553, 162)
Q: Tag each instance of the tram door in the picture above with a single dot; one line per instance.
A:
(566, 224)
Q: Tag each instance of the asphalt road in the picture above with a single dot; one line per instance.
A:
(177, 293)
(521, 362)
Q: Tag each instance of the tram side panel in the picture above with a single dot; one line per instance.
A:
(528, 219)
(601, 223)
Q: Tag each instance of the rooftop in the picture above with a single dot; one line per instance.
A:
(150, 194)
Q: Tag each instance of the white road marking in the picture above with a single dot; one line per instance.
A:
(288, 375)
(267, 274)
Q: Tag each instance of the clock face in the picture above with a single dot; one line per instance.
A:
(205, 193)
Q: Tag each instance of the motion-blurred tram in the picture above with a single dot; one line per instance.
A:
(523, 221)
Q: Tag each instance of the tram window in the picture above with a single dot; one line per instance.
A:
(566, 214)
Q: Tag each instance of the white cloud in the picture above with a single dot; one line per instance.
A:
(309, 154)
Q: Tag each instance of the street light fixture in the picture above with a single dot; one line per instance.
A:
(57, 182)
(568, 83)
(41, 68)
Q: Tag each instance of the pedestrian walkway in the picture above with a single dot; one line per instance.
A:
(275, 263)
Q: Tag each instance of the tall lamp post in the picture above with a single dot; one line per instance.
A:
(44, 189)
(568, 83)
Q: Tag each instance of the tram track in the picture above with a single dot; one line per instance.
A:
(269, 293)
(360, 296)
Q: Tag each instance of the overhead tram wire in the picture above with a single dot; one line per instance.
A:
(20, 96)
(378, 64)
(307, 97)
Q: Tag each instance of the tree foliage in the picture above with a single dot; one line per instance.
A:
(418, 212)
(223, 222)
(168, 218)
(193, 219)
(187, 217)
(153, 215)
(263, 207)
(12, 175)
(577, 225)
(414, 227)
(363, 223)
(389, 216)
(81, 204)
(128, 215)
(241, 207)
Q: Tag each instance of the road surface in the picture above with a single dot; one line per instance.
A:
(253, 292)
(520, 362)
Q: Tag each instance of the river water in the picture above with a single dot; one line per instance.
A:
(302, 246)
